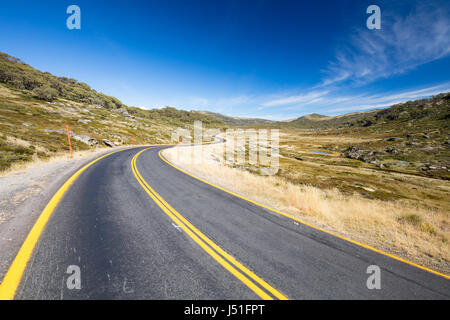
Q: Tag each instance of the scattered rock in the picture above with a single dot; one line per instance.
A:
(363, 155)
(92, 142)
(85, 121)
(122, 111)
(108, 143)
(394, 139)
(410, 143)
(79, 137)
(85, 139)
(391, 150)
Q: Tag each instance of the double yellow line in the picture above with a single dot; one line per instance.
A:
(251, 280)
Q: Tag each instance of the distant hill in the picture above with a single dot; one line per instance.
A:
(318, 121)
(237, 121)
(431, 109)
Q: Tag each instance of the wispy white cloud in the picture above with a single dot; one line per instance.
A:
(307, 98)
(367, 102)
(402, 44)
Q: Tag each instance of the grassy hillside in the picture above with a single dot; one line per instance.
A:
(35, 107)
(46, 86)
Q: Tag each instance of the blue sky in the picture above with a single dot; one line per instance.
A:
(251, 58)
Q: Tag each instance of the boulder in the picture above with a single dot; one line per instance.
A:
(391, 150)
(108, 143)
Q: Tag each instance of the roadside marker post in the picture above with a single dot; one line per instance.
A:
(68, 138)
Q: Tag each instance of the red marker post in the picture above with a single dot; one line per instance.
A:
(68, 138)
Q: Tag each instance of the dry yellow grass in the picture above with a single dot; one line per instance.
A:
(401, 227)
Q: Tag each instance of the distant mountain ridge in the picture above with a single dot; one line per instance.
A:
(45, 86)
(314, 120)
(434, 108)
(238, 121)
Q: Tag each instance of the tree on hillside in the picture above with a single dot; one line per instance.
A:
(45, 93)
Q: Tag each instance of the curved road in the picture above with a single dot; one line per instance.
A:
(196, 242)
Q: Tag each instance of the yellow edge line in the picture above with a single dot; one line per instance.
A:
(12, 278)
(306, 223)
(195, 234)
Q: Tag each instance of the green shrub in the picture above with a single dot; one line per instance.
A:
(45, 93)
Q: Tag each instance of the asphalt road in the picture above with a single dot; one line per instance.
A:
(128, 247)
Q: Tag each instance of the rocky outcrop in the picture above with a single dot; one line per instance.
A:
(360, 154)
(122, 111)
(79, 137)
(85, 139)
